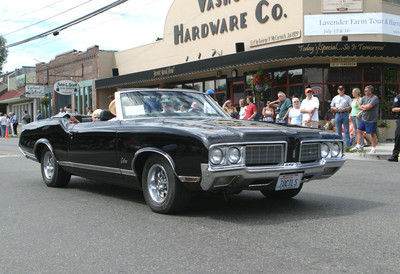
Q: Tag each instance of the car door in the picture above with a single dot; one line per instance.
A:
(92, 149)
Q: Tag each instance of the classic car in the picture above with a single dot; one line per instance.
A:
(172, 142)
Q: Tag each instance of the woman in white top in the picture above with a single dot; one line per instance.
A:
(268, 113)
(242, 111)
(295, 116)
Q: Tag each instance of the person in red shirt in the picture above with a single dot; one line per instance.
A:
(251, 110)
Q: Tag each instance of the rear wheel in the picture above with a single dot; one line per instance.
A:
(163, 192)
(281, 194)
(53, 175)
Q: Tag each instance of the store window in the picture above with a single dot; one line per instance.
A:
(372, 74)
(83, 99)
(209, 85)
(280, 78)
(391, 75)
(295, 76)
(313, 75)
(198, 86)
(220, 85)
(386, 102)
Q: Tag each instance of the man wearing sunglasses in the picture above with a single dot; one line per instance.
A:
(309, 109)
(369, 106)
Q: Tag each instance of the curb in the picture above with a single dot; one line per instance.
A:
(367, 156)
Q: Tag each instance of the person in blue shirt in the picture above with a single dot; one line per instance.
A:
(14, 122)
(38, 115)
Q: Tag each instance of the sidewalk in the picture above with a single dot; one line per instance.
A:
(383, 152)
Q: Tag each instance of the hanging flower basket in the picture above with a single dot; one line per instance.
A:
(259, 83)
(45, 101)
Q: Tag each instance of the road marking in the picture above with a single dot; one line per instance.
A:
(9, 155)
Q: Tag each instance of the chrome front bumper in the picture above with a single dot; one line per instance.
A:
(253, 177)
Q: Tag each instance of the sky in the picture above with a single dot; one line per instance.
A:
(129, 25)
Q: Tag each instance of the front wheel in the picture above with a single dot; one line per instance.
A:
(281, 194)
(161, 189)
(53, 175)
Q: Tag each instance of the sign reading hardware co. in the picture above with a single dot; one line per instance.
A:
(66, 87)
(262, 11)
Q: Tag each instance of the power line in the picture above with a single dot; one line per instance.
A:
(41, 21)
(56, 31)
(9, 19)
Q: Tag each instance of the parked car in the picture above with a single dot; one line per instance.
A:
(171, 142)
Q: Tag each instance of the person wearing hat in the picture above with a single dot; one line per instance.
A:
(207, 107)
(167, 104)
(341, 105)
(309, 109)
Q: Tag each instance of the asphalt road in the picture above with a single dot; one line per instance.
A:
(349, 223)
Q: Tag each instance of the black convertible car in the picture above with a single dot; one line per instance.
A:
(172, 142)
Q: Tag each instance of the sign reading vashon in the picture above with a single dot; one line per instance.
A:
(33, 91)
(66, 87)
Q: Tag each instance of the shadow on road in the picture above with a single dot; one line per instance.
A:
(248, 207)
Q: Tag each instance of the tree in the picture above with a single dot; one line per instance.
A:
(3, 52)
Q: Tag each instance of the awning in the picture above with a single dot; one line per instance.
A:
(256, 57)
(12, 96)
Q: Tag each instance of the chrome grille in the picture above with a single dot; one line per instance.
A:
(310, 152)
(264, 154)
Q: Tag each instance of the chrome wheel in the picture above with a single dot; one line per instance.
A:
(158, 183)
(48, 165)
(53, 175)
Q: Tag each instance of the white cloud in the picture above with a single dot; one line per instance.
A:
(128, 25)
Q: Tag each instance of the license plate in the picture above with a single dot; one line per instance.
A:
(288, 181)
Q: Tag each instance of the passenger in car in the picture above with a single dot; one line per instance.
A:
(96, 115)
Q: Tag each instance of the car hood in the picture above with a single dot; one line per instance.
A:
(232, 130)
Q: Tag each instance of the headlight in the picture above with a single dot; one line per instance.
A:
(335, 150)
(216, 156)
(324, 150)
(233, 155)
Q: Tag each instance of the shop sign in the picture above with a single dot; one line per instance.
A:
(20, 80)
(343, 62)
(66, 87)
(342, 6)
(262, 11)
(33, 91)
(345, 24)
(275, 38)
(163, 72)
(341, 48)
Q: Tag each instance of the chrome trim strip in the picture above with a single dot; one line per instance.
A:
(90, 167)
(128, 172)
(156, 150)
(28, 155)
(47, 143)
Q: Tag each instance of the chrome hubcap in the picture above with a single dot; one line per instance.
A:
(48, 165)
(158, 183)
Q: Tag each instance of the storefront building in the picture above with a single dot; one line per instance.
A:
(220, 44)
(81, 68)
(15, 99)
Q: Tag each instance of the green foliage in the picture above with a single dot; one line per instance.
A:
(3, 52)
(259, 82)
(45, 101)
(383, 123)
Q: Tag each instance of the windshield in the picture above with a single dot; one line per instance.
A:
(149, 103)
